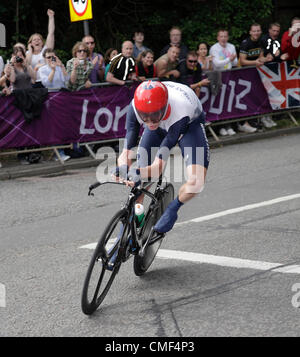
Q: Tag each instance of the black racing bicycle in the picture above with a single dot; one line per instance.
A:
(122, 239)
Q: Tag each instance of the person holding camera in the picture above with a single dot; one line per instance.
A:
(79, 68)
(53, 75)
(18, 73)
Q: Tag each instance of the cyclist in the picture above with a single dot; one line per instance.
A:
(171, 114)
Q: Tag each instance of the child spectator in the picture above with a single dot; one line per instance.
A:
(138, 46)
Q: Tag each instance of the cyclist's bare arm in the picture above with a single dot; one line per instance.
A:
(154, 170)
(125, 158)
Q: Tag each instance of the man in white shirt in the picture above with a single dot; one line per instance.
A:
(224, 57)
(223, 52)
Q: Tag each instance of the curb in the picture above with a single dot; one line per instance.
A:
(244, 138)
(50, 168)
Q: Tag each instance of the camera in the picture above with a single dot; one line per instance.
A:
(81, 61)
(53, 59)
(19, 59)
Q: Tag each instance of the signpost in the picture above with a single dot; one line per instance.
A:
(81, 10)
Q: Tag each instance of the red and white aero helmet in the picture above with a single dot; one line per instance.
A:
(151, 101)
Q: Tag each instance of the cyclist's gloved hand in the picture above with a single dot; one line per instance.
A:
(134, 175)
(121, 171)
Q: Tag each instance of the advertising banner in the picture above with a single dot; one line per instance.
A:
(99, 113)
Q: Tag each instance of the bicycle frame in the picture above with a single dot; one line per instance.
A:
(134, 194)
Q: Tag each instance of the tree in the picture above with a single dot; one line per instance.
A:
(114, 21)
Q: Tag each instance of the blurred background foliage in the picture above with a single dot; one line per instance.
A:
(115, 21)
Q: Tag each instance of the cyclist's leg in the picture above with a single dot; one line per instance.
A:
(195, 151)
(148, 147)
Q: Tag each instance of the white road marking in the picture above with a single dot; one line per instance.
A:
(240, 209)
(227, 261)
(220, 260)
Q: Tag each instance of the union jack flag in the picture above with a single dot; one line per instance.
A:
(282, 83)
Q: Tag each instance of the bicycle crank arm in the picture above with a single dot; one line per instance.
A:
(156, 238)
(152, 238)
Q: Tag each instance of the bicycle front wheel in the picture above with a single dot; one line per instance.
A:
(100, 275)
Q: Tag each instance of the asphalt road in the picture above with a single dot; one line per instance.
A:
(45, 222)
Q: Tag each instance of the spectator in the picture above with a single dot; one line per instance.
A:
(191, 73)
(204, 60)
(271, 52)
(18, 72)
(224, 57)
(36, 46)
(109, 55)
(20, 44)
(175, 40)
(166, 64)
(122, 66)
(290, 40)
(79, 68)
(271, 45)
(3, 80)
(138, 46)
(145, 67)
(250, 50)
(223, 53)
(97, 74)
(53, 75)
(19, 77)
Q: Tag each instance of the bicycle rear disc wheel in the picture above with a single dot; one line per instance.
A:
(142, 264)
(98, 279)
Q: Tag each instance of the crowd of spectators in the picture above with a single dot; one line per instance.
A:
(38, 66)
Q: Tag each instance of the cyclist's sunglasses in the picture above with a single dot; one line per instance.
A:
(154, 118)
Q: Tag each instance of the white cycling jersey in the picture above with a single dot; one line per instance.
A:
(182, 103)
